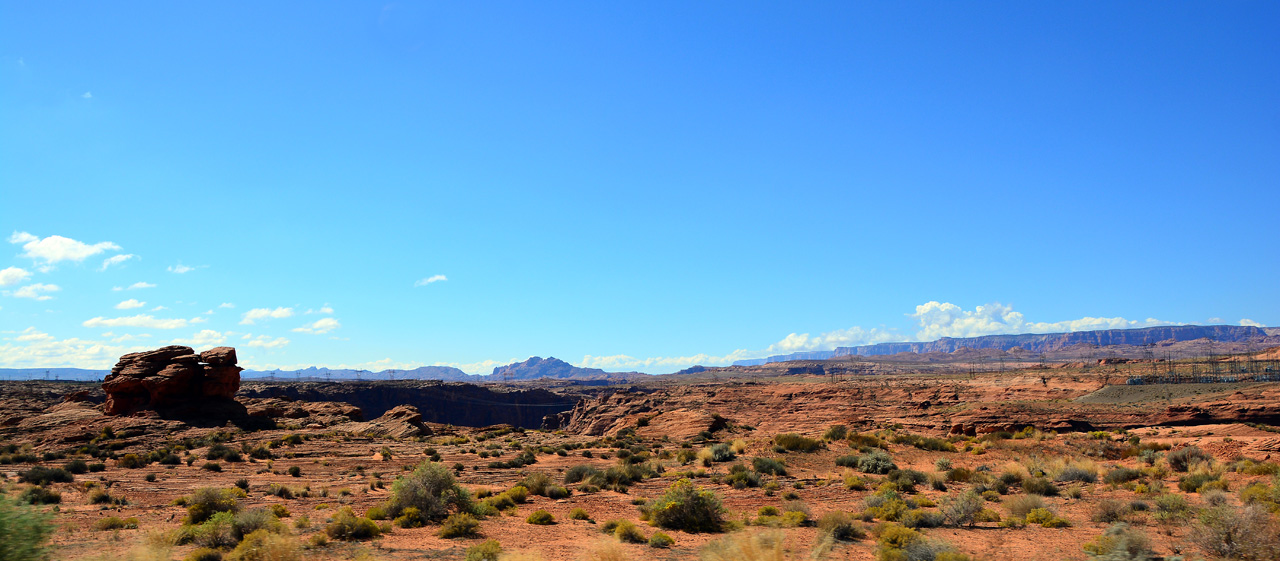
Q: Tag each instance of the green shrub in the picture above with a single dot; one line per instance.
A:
(1076, 473)
(541, 518)
(39, 475)
(216, 532)
(212, 466)
(460, 525)
(537, 483)
(836, 432)
(1046, 518)
(1120, 543)
(795, 443)
(579, 514)
(115, 523)
(684, 506)
(840, 527)
(207, 501)
(579, 473)
(740, 477)
(132, 461)
(924, 442)
(557, 492)
(1183, 458)
(875, 461)
(26, 531)
(203, 554)
(76, 467)
(1201, 482)
(1040, 486)
(1022, 505)
(262, 545)
(1247, 533)
(627, 532)
(963, 509)
(347, 526)
(279, 511)
(769, 466)
(661, 541)
(40, 496)
(489, 550)
(432, 489)
(250, 521)
(99, 496)
(1121, 475)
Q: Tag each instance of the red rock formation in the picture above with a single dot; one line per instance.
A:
(169, 376)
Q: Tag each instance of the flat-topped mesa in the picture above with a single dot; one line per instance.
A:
(169, 376)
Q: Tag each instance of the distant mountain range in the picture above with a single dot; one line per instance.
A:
(537, 367)
(1036, 343)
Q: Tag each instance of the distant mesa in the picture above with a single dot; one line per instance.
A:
(550, 367)
(170, 376)
(1037, 342)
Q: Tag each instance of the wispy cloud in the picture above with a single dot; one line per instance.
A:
(52, 250)
(202, 338)
(13, 275)
(31, 348)
(1250, 323)
(266, 342)
(180, 269)
(227, 305)
(37, 291)
(87, 95)
(319, 327)
(116, 260)
(135, 286)
(142, 320)
(430, 279)
(130, 304)
(256, 314)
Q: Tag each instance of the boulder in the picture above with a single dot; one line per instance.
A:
(170, 376)
(402, 421)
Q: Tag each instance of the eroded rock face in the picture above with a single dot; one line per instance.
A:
(169, 376)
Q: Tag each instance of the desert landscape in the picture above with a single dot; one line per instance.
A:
(175, 457)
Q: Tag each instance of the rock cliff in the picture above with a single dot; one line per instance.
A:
(170, 376)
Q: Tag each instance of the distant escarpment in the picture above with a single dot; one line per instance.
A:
(1036, 343)
(171, 376)
(438, 402)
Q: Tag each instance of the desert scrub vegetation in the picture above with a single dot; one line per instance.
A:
(39, 475)
(25, 531)
(1120, 542)
(684, 506)
(432, 489)
(488, 550)
(208, 501)
(792, 442)
(874, 461)
(346, 525)
(923, 442)
(460, 525)
(541, 518)
(896, 542)
(1248, 533)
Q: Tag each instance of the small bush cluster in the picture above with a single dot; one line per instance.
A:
(684, 506)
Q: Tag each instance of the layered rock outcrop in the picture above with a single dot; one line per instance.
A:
(170, 376)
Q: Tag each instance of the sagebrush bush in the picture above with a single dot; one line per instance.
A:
(1247, 533)
(262, 545)
(431, 489)
(1021, 505)
(1109, 511)
(796, 443)
(840, 527)
(579, 473)
(962, 510)
(684, 506)
(1183, 458)
(1040, 486)
(541, 518)
(875, 461)
(1121, 475)
(769, 466)
(347, 526)
(115, 523)
(1120, 543)
(39, 475)
(207, 501)
(38, 495)
(460, 525)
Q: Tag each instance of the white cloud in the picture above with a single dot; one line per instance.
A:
(1250, 323)
(319, 327)
(180, 268)
(130, 304)
(938, 320)
(430, 279)
(256, 314)
(13, 275)
(323, 310)
(31, 348)
(203, 338)
(135, 286)
(482, 367)
(87, 95)
(158, 308)
(54, 249)
(36, 291)
(226, 305)
(142, 320)
(116, 260)
(199, 319)
(266, 342)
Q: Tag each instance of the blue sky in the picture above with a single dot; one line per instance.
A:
(628, 186)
